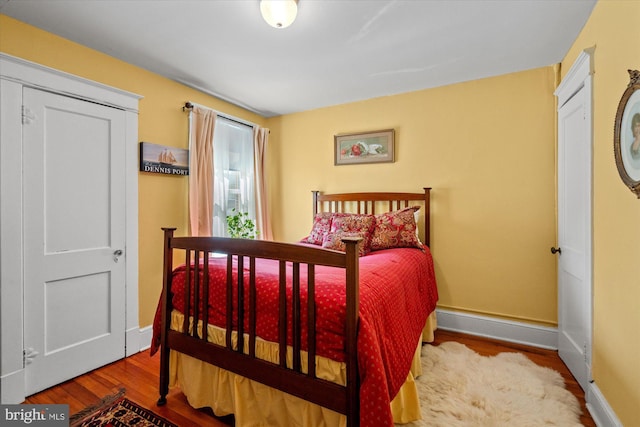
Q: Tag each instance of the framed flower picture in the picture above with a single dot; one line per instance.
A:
(626, 135)
(365, 147)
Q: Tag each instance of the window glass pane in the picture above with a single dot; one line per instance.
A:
(233, 180)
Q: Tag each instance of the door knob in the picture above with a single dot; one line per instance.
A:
(554, 250)
(116, 254)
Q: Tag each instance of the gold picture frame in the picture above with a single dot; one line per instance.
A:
(365, 147)
(626, 134)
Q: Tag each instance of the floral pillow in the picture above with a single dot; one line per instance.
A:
(361, 224)
(321, 226)
(396, 229)
(333, 240)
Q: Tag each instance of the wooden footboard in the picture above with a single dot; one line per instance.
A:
(289, 379)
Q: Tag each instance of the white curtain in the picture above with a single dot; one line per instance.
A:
(201, 129)
(233, 171)
(263, 221)
(227, 173)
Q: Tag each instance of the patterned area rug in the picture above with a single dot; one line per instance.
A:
(460, 388)
(118, 411)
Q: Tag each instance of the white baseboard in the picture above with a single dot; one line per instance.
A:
(505, 330)
(146, 334)
(138, 339)
(132, 337)
(599, 408)
(12, 388)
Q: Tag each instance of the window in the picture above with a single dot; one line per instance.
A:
(233, 171)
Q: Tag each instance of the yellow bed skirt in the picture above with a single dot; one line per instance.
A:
(256, 405)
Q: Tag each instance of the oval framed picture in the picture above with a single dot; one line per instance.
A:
(626, 134)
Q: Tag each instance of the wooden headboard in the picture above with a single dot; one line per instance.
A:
(367, 203)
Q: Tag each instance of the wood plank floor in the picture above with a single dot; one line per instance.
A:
(138, 374)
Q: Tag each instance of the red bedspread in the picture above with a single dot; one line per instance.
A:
(397, 293)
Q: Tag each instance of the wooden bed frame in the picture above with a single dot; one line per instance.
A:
(289, 379)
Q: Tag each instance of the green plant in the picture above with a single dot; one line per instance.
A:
(241, 226)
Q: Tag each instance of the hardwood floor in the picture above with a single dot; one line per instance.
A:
(138, 374)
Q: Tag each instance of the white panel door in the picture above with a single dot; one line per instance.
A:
(574, 236)
(74, 236)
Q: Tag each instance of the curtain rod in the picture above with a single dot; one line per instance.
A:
(189, 105)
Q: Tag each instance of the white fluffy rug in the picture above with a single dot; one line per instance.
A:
(459, 387)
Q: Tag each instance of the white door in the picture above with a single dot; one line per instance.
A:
(574, 235)
(74, 230)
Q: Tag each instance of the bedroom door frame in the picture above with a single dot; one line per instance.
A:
(575, 251)
(15, 74)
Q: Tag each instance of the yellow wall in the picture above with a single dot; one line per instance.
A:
(487, 148)
(163, 198)
(614, 30)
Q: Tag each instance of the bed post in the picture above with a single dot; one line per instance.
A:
(315, 202)
(166, 288)
(351, 333)
(427, 216)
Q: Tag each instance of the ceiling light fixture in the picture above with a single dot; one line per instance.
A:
(279, 13)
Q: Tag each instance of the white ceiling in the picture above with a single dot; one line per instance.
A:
(336, 51)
